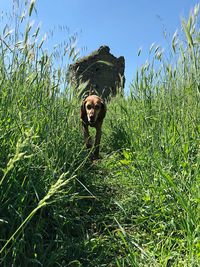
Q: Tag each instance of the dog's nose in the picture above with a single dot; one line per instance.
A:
(92, 118)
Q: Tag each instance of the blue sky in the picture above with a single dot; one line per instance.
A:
(125, 26)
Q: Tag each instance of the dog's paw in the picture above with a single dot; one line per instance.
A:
(88, 145)
(95, 157)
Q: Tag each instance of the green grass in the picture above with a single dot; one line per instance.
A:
(137, 206)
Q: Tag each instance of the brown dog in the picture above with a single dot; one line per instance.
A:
(93, 111)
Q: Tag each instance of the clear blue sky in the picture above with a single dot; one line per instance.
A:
(123, 25)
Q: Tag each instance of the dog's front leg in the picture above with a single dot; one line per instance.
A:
(97, 142)
(87, 137)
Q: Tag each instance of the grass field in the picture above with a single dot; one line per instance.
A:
(137, 206)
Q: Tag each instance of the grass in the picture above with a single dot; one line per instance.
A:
(137, 206)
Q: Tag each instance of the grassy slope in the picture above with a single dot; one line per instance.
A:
(139, 205)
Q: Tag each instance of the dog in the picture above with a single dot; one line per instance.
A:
(93, 112)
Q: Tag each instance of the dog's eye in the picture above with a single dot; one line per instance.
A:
(89, 106)
(97, 107)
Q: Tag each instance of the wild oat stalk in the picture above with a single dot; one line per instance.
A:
(54, 189)
(19, 152)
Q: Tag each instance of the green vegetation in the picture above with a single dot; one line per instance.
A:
(137, 206)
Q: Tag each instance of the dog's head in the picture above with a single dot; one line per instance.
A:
(93, 109)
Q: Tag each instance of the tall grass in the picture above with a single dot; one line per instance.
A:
(40, 147)
(158, 131)
(139, 205)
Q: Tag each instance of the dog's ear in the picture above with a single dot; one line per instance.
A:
(102, 113)
(83, 114)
